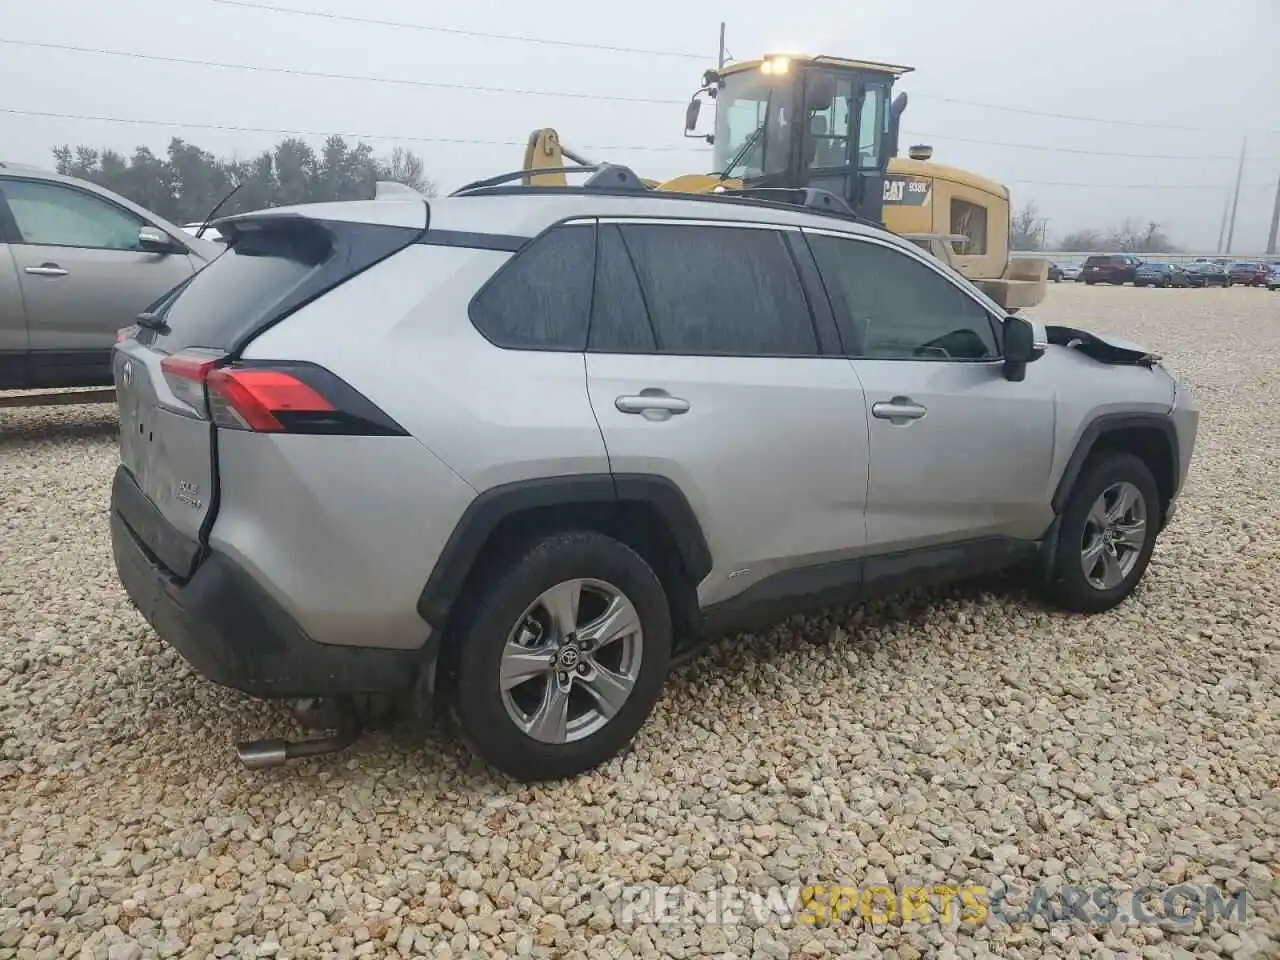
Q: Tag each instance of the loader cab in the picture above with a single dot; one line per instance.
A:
(823, 122)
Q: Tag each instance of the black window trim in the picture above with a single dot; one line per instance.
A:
(75, 188)
(577, 219)
(966, 289)
(826, 349)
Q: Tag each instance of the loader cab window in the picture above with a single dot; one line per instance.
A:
(969, 219)
(873, 123)
(830, 101)
(752, 109)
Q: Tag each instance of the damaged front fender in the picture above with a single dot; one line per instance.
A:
(1102, 348)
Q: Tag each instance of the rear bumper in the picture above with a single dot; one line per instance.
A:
(233, 633)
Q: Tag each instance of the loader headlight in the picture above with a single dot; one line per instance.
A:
(775, 66)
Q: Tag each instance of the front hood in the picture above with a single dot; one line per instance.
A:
(1102, 347)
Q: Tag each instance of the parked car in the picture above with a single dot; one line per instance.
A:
(1117, 269)
(1206, 273)
(560, 448)
(1273, 280)
(1251, 273)
(1157, 273)
(77, 263)
(1055, 272)
(1071, 271)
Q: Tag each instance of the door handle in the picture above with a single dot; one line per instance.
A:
(898, 411)
(46, 270)
(655, 406)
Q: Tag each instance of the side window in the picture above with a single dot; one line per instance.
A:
(541, 298)
(970, 219)
(714, 290)
(890, 307)
(59, 216)
(619, 320)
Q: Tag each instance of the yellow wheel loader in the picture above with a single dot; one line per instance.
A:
(790, 121)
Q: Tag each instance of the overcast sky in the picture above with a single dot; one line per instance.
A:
(1171, 64)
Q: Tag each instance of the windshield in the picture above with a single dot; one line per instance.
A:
(748, 98)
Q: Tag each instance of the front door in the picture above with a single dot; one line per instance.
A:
(957, 451)
(82, 276)
(705, 366)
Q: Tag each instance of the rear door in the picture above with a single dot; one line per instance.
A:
(705, 366)
(83, 275)
(957, 451)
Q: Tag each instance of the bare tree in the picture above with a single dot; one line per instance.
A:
(1082, 240)
(1027, 228)
(405, 166)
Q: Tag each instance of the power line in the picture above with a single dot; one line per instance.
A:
(1073, 116)
(327, 133)
(510, 143)
(1073, 150)
(524, 38)
(318, 74)
(1128, 186)
(519, 38)
(440, 84)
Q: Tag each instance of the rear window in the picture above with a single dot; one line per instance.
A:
(271, 267)
(1097, 261)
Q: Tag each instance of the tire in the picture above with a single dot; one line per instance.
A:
(1068, 586)
(511, 607)
(1089, 283)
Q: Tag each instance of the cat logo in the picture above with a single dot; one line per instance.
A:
(908, 191)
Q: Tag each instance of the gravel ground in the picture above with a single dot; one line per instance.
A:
(968, 736)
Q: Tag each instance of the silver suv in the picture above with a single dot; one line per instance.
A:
(515, 449)
(78, 263)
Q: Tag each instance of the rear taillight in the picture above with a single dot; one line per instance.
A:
(284, 397)
(273, 397)
(263, 400)
(186, 373)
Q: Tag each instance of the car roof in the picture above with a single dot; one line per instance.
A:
(526, 212)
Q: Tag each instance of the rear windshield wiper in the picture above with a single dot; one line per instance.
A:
(152, 321)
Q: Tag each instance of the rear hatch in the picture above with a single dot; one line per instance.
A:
(166, 489)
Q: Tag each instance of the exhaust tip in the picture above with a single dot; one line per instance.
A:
(263, 754)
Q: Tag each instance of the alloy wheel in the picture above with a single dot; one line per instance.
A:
(1114, 534)
(571, 661)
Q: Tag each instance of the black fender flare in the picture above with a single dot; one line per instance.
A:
(493, 506)
(1101, 426)
(1096, 429)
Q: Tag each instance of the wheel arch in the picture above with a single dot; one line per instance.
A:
(647, 512)
(1151, 437)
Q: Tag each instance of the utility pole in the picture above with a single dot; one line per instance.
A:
(1235, 201)
(1222, 230)
(720, 64)
(1275, 223)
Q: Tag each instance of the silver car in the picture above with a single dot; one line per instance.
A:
(78, 263)
(516, 449)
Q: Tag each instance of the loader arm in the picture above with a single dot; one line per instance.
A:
(544, 151)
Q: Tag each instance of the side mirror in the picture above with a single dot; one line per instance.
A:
(691, 113)
(1019, 348)
(151, 240)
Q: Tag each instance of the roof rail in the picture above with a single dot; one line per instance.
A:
(823, 201)
(613, 176)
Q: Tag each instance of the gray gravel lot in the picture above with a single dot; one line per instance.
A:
(969, 736)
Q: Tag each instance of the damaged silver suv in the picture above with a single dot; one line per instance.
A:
(515, 449)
